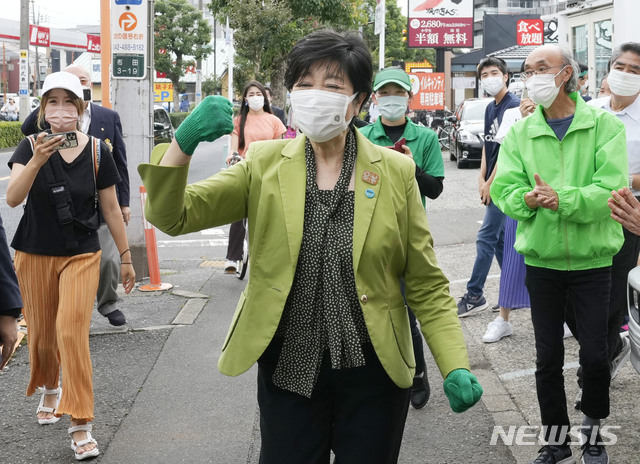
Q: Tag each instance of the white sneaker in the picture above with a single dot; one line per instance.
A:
(567, 331)
(497, 329)
(230, 267)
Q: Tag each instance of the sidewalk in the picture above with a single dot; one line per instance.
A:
(159, 397)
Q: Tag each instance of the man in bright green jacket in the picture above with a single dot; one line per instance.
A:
(555, 172)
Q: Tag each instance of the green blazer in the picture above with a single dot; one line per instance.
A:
(391, 240)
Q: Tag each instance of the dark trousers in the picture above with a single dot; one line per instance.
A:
(588, 291)
(236, 237)
(625, 260)
(358, 413)
(10, 299)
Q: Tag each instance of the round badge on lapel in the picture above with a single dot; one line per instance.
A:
(369, 193)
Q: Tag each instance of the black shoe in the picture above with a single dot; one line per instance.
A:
(551, 454)
(420, 391)
(116, 318)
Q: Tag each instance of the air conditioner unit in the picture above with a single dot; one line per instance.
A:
(573, 3)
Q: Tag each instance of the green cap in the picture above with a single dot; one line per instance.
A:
(394, 75)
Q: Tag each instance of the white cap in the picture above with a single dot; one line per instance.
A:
(63, 80)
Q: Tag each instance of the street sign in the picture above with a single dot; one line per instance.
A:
(440, 24)
(530, 32)
(129, 36)
(24, 72)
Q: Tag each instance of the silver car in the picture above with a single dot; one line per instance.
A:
(634, 316)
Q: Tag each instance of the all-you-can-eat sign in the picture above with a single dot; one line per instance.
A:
(440, 24)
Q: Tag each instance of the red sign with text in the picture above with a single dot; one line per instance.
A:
(39, 36)
(428, 91)
(93, 43)
(530, 32)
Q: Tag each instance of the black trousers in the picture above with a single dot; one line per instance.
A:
(625, 260)
(236, 237)
(588, 291)
(358, 413)
(10, 299)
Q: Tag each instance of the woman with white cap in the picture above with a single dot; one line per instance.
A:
(63, 179)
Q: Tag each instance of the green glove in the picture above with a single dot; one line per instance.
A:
(462, 389)
(211, 119)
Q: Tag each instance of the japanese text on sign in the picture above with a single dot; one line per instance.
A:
(530, 32)
(440, 23)
(428, 91)
(39, 36)
(129, 38)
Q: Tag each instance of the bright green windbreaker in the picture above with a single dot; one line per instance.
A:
(583, 168)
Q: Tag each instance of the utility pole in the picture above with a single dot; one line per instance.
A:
(24, 60)
(230, 70)
(199, 65)
(132, 94)
(105, 53)
(36, 75)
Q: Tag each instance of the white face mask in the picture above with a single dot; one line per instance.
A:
(319, 114)
(623, 84)
(393, 107)
(492, 85)
(256, 103)
(542, 88)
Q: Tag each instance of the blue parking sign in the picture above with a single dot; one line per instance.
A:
(128, 2)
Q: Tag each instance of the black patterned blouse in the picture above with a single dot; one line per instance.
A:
(322, 311)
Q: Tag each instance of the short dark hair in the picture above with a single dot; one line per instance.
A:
(625, 47)
(346, 52)
(492, 61)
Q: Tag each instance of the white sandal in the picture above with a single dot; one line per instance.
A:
(43, 408)
(75, 445)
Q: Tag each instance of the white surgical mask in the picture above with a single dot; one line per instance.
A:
(542, 88)
(492, 85)
(623, 84)
(319, 114)
(393, 107)
(256, 103)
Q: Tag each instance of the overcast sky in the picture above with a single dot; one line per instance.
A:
(71, 13)
(56, 13)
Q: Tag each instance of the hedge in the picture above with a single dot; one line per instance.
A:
(177, 118)
(10, 133)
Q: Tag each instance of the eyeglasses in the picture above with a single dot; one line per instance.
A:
(541, 70)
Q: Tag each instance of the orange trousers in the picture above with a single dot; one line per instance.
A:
(58, 294)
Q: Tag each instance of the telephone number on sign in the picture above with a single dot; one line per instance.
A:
(128, 47)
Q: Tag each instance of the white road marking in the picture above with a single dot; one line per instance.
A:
(527, 372)
(462, 281)
(186, 243)
(215, 231)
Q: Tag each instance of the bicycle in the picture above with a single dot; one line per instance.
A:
(243, 263)
(444, 134)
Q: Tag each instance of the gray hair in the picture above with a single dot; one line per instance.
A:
(633, 47)
(567, 60)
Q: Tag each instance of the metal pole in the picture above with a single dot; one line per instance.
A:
(199, 66)
(383, 21)
(24, 59)
(230, 72)
(105, 53)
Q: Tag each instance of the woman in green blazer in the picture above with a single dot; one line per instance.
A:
(334, 223)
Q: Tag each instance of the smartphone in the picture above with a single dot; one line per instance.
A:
(398, 145)
(70, 139)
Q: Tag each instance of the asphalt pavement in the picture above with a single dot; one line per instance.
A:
(160, 399)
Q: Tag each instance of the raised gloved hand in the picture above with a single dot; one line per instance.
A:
(211, 119)
(462, 389)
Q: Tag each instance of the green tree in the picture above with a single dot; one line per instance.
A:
(182, 36)
(265, 31)
(211, 85)
(395, 48)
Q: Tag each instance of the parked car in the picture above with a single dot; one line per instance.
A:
(467, 135)
(162, 128)
(634, 316)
